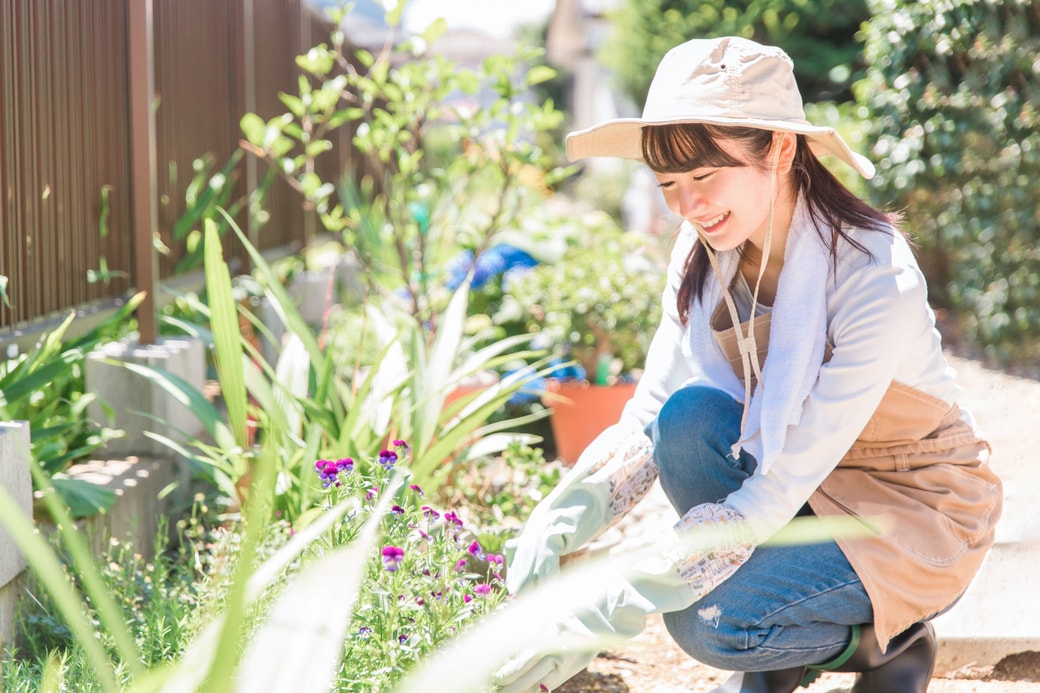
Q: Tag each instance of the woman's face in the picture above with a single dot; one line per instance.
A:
(731, 203)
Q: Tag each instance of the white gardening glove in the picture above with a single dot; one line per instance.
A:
(682, 573)
(611, 475)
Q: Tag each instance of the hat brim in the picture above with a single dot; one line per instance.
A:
(622, 138)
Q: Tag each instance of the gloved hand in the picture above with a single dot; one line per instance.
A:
(680, 572)
(611, 475)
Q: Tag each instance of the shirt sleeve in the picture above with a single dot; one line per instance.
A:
(877, 315)
(666, 368)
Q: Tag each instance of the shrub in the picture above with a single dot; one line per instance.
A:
(426, 578)
(952, 92)
(601, 302)
(818, 34)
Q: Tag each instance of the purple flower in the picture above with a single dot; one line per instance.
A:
(364, 631)
(475, 549)
(397, 510)
(392, 557)
(401, 447)
(372, 493)
(460, 565)
(496, 559)
(402, 638)
(467, 598)
(482, 590)
(451, 518)
(387, 458)
(430, 513)
(329, 470)
(415, 487)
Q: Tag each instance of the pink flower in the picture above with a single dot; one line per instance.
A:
(392, 557)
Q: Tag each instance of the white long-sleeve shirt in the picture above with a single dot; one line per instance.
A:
(879, 327)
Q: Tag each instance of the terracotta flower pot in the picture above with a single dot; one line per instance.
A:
(582, 411)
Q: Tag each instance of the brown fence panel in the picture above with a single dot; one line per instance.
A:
(62, 146)
(65, 136)
(196, 57)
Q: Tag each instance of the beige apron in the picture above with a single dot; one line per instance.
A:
(920, 470)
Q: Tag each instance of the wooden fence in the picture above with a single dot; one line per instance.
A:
(110, 110)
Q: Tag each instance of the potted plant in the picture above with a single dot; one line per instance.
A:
(599, 305)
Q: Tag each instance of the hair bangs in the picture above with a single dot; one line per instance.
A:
(681, 147)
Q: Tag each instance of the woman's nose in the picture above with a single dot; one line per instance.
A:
(689, 201)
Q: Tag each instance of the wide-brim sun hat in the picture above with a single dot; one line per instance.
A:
(724, 81)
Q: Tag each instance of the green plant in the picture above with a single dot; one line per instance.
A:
(427, 580)
(817, 34)
(157, 598)
(601, 302)
(410, 212)
(45, 387)
(953, 101)
(503, 489)
(291, 609)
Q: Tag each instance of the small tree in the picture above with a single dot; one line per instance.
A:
(953, 94)
(453, 154)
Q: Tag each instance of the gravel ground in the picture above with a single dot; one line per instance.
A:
(651, 663)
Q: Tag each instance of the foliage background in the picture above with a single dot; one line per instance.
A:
(819, 35)
(952, 99)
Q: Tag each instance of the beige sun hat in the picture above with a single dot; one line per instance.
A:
(721, 81)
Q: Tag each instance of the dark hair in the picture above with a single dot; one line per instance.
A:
(682, 147)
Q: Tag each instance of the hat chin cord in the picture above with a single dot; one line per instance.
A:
(746, 343)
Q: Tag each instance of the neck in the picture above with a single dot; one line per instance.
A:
(783, 214)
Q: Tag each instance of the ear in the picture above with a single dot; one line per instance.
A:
(785, 146)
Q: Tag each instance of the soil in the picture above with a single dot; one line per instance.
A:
(652, 663)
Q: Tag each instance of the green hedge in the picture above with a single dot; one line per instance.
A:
(819, 35)
(952, 94)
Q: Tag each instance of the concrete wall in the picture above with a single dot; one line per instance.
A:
(16, 480)
(139, 404)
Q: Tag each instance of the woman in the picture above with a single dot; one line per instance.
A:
(797, 371)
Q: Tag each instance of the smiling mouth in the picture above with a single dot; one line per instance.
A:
(710, 224)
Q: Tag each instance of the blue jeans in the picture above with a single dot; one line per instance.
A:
(787, 606)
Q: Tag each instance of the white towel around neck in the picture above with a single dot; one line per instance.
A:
(797, 338)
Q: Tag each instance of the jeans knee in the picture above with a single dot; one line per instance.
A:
(690, 418)
(693, 436)
(703, 633)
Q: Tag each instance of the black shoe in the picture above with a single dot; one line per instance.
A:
(905, 667)
(780, 681)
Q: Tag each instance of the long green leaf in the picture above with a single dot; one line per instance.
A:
(283, 413)
(300, 646)
(188, 395)
(83, 498)
(227, 336)
(280, 299)
(190, 672)
(53, 577)
(20, 388)
(443, 353)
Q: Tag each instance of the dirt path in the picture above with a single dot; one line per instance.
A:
(651, 663)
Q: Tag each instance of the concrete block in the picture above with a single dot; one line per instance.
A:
(271, 343)
(136, 514)
(140, 405)
(311, 292)
(17, 482)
